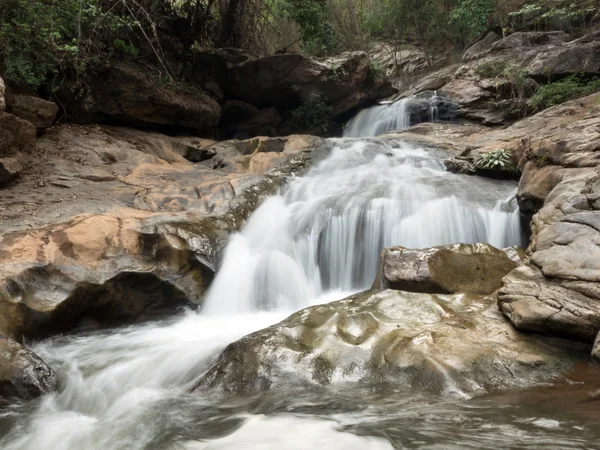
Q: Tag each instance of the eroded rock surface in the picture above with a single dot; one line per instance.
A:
(452, 344)
(112, 225)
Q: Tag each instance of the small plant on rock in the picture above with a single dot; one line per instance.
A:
(497, 160)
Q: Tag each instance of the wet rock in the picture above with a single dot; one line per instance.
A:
(463, 166)
(459, 268)
(451, 344)
(122, 94)
(282, 81)
(23, 375)
(41, 113)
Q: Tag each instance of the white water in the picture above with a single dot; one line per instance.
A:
(327, 231)
(126, 389)
(379, 119)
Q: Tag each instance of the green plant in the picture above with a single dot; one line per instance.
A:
(128, 49)
(377, 70)
(542, 161)
(472, 15)
(314, 111)
(560, 91)
(497, 160)
(491, 68)
(337, 73)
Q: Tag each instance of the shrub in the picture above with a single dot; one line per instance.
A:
(313, 112)
(491, 68)
(497, 160)
(560, 91)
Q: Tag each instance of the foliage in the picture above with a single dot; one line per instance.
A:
(472, 16)
(377, 71)
(497, 160)
(560, 91)
(491, 68)
(313, 112)
(542, 161)
(38, 37)
(564, 13)
(317, 33)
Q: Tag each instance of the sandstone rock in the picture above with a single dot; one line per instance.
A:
(23, 375)
(17, 137)
(113, 225)
(282, 81)
(123, 94)
(41, 113)
(450, 344)
(459, 268)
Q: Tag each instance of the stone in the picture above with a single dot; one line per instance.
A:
(23, 374)
(112, 226)
(2, 99)
(122, 94)
(264, 123)
(463, 166)
(17, 139)
(480, 46)
(41, 113)
(235, 111)
(456, 345)
(282, 81)
(596, 349)
(458, 268)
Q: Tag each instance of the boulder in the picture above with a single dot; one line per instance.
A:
(23, 375)
(111, 226)
(123, 94)
(41, 113)
(284, 81)
(17, 139)
(482, 45)
(456, 165)
(235, 111)
(458, 268)
(264, 123)
(596, 349)
(445, 344)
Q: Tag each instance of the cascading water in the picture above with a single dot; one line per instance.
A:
(379, 119)
(127, 388)
(327, 230)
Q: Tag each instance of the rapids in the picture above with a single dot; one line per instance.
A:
(317, 240)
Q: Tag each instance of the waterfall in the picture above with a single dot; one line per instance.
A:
(379, 119)
(326, 231)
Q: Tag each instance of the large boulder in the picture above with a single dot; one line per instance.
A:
(458, 268)
(111, 225)
(39, 112)
(23, 375)
(451, 344)
(17, 139)
(123, 94)
(284, 81)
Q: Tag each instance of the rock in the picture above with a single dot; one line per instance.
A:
(459, 268)
(429, 106)
(448, 344)
(122, 94)
(596, 349)
(463, 166)
(23, 375)
(264, 123)
(235, 111)
(112, 225)
(480, 46)
(17, 138)
(283, 81)
(41, 113)
(2, 99)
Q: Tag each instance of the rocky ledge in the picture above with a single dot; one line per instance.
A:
(457, 344)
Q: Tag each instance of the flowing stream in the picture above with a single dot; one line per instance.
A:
(316, 241)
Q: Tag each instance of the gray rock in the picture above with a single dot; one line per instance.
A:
(23, 375)
(459, 268)
(17, 138)
(450, 344)
(41, 113)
